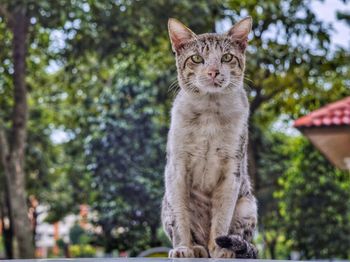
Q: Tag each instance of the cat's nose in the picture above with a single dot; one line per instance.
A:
(213, 73)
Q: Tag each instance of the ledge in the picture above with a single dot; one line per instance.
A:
(142, 259)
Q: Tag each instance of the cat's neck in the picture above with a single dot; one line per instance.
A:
(229, 102)
(205, 97)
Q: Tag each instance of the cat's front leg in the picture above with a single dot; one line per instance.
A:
(223, 205)
(178, 196)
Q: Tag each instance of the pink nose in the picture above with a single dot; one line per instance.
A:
(213, 73)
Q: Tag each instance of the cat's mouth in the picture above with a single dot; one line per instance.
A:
(212, 85)
(216, 83)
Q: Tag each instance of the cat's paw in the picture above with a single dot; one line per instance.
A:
(200, 251)
(219, 252)
(181, 252)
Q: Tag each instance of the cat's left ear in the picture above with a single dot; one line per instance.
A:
(179, 33)
(240, 31)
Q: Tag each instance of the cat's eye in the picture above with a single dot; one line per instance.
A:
(197, 59)
(226, 58)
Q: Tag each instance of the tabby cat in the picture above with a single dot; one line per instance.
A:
(208, 208)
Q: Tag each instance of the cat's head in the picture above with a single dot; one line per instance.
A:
(210, 63)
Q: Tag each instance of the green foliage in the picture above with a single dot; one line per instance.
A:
(124, 122)
(45, 162)
(1, 246)
(314, 204)
(290, 67)
(273, 155)
(303, 200)
(127, 147)
(273, 160)
(272, 243)
(77, 235)
(77, 251)
(290, 71)
(80, 243)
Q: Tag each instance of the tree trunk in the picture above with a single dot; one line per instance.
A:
(253, 156)
(7, 232)
(272, 248)
(13, 147)
(154, 242)
(252, 169)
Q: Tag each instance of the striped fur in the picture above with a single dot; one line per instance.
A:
(208, 209)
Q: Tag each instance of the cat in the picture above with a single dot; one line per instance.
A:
(208, 209)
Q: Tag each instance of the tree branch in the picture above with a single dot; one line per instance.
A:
(259, 99)
(254, 105)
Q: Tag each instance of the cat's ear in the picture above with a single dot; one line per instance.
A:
(179, 33)
(240, 31)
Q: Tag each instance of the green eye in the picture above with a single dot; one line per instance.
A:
(226, 58)
(197, 59)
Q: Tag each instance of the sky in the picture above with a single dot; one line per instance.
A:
(326, 11)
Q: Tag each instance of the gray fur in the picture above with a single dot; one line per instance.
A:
(207, 187)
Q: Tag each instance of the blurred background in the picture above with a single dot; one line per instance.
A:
(85, 95)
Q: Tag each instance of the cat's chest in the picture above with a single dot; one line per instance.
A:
(204, 135)
(210, 141)
(208, 118)
(208, 158)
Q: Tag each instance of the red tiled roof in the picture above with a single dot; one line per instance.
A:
(334, 114)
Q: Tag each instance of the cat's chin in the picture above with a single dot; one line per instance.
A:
(213, 89)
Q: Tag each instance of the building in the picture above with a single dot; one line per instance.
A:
(328, 128)
(47, 234)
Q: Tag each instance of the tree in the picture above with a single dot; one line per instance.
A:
(120, 116)
(13, 145)
(285, 68)
(290, 71)
(314, 204)
(288, 62)
(274, 159)
(127, 151)
(17, 21)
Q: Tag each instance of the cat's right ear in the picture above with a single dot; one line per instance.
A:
(179, 33)
(240, 31)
